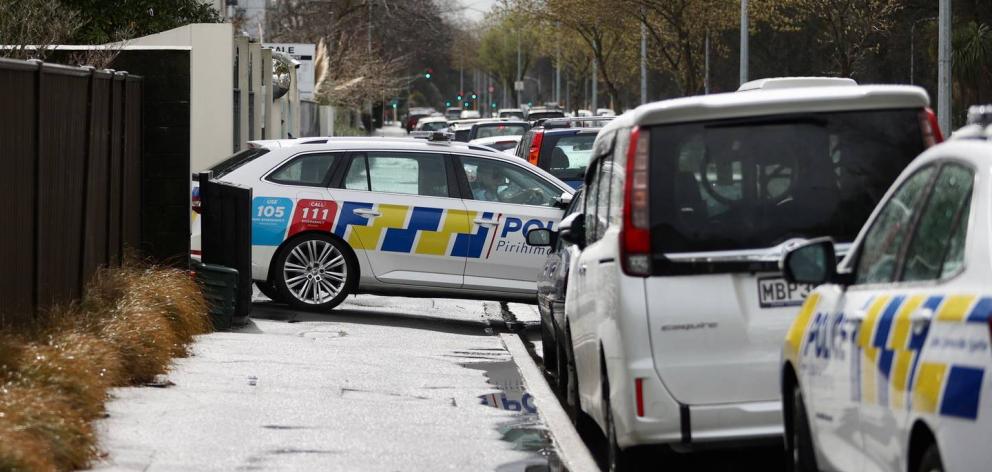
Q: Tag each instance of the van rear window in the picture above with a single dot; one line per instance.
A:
(755, 183)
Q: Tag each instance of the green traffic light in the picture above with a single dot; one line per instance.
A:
(494, 104)
(474, 96)
(447, 103)
(427, 75)
(459, 98)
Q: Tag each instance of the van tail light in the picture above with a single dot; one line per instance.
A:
(639, 396)
(930, 127)
(635, 234)
(535, 147)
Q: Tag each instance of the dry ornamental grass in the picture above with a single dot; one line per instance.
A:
(54, 377)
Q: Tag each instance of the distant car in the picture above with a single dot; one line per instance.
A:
(469, 114)
(494, 128)
(420, 217)
(511, 113)
(537, 113)
(887, 365)
(561, 147)
(605, 112)
(453, 113)
(583, 113)
(432, 123)
(415, 115)
(551, 288)
(675, 313)
(500, 143)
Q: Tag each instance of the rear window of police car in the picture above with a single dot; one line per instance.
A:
(234, 162)
(755, 183)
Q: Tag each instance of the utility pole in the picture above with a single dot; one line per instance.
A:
(944, 68)
(595, 74)
(744, 39)
(519, 75)
(644, 63)
(371, 118)
(706, 67)
(558, 69)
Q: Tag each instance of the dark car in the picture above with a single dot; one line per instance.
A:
(561, 147)
(551, 285)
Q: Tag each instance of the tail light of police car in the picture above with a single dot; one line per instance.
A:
(930, 128)
(535, 147)
(635, 234)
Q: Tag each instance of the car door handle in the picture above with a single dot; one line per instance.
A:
(482, 222)
(366, 212)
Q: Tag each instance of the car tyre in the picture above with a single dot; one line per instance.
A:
(571, 388)
(550, 353)
(314, 272)
(617, 460)
(269, 290)
(561, 368)
(801, 456)
(931, 462)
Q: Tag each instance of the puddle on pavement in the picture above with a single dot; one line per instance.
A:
(526, 432)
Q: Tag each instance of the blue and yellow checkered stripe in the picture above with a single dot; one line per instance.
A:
(896, 377)
(413, 230)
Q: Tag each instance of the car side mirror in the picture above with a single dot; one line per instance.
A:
(540, 237)
(572, 230)
(564, 200)
(814, 262)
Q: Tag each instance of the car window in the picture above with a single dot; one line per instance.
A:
(954, 260)
(619, 169)
(308, 169)
(592, 206)
(494, 181)
(605, 177)
(234, 162)
(398, 172)
(940, 219)
(569, 156)
(880, 251)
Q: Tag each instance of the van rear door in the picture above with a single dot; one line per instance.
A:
(726, 198)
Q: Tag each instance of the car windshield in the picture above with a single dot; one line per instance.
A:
(435, 125)
(537, 115)
(568, 156)
(462, 134)
(511, 114)
(500, 129)
(749, 184)
(503, 145)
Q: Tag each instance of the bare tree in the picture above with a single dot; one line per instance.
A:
(29, 27)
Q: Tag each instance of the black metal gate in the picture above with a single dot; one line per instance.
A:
(225, 227)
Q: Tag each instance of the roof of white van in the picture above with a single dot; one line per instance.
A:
(776, 97)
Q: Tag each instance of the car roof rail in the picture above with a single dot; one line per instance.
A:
(567, 122)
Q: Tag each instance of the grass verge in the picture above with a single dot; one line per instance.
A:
(54, 376)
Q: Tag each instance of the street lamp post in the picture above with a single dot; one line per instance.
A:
(912, 47)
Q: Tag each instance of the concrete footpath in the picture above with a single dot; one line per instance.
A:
(379, 384)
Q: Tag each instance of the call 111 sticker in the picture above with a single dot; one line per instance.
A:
(269, 218)
(313, 215)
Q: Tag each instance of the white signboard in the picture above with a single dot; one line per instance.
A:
(518, 86)
(305, 54)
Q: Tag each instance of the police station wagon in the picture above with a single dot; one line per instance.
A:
(333, 216)
(884, 369)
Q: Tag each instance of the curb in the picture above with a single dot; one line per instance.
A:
(571, 449)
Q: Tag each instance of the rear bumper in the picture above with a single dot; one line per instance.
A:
(688, 427)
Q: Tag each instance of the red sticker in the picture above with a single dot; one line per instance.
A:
(313, 215)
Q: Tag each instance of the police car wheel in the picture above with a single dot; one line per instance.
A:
(314, 272)
(931, 461)
(801, 454)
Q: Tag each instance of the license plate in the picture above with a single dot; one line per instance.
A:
(777, 292)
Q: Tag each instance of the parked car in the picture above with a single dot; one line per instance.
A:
(415, 115)
(561, 146)
(605, 112)
(887, 365)
(511, 113)
(468, 114)
(675, 312)
(551, 288)
(504, 144)
(335, 216)
(497, 128)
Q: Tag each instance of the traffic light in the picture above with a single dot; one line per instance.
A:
(467, 105)
(459, 98)
(428, 73)
(474, 96)
(493, 104)
(394, 105)
(447, 103)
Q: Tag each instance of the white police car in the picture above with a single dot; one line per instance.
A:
(885, 368)
(333, 216)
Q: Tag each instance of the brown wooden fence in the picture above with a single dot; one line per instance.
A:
(70, 148)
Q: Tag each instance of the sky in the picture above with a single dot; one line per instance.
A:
(475, 10)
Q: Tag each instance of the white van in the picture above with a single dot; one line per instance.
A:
(676, 310)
